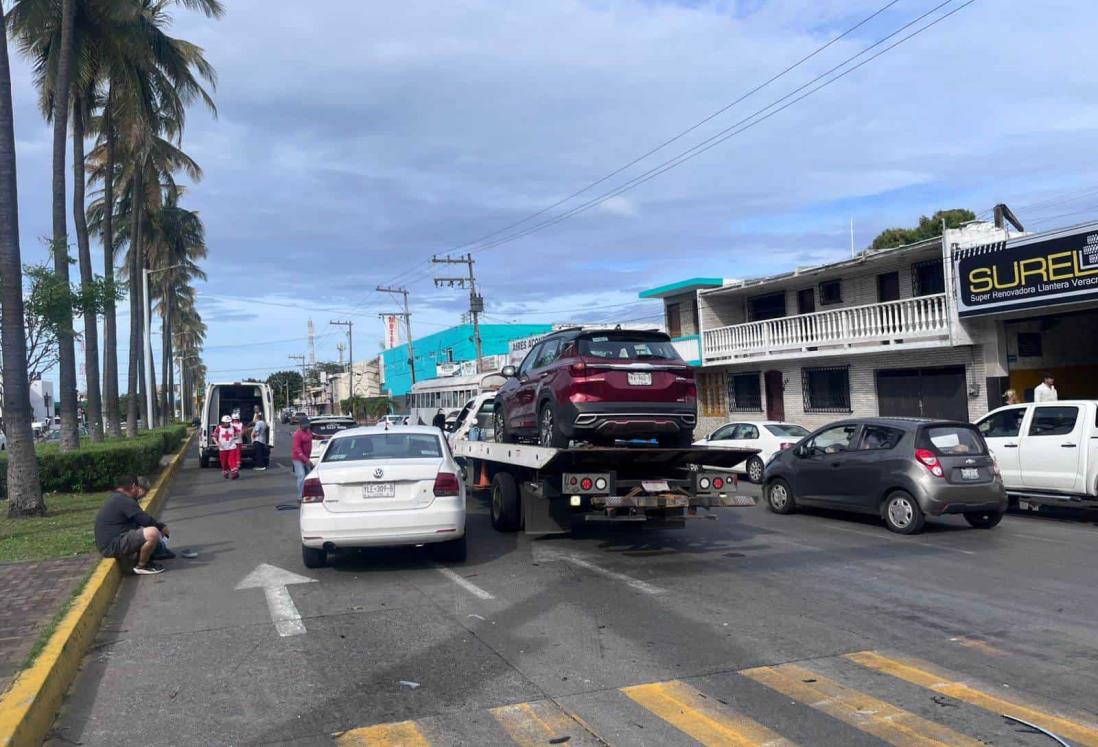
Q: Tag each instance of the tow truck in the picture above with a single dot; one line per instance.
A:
(545, 490)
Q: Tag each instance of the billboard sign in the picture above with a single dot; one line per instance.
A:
(1030, 272)
(392, 334)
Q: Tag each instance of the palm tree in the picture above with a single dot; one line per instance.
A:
(24, 490)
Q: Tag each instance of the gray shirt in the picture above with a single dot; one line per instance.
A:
(259, 431)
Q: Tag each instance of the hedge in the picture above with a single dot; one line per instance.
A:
(97, 466)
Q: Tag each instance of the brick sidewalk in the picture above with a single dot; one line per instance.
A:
(32, 592)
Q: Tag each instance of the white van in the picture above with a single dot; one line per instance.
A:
(1047, 452)
(234, 398)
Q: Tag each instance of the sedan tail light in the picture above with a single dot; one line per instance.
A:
(447, 484)
(930, 461)
(312, 491)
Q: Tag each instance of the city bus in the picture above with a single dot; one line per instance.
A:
(448, 393)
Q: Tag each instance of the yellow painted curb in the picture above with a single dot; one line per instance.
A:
(29, 706)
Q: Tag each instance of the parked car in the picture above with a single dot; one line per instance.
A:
(768, 436)
(1048, 452)
(475, 420)
(297, 416)
(598, 385)
(394, 419)
(902, 470)
(323, 428)
(384, 486)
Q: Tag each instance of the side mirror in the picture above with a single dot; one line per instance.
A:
(509, 372)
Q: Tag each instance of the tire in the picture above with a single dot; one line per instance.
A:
(549, 433)
(902, 514)
(454, 551)
(779, 497)
(680, 440)
(203, 460)
(500, 434)
(755, 469)
(506, 507)
(983, 519)
(314, 557)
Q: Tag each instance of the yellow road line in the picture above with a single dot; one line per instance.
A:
(398, 734)
(922, 674)
(883, 720)
(530, 724)
(703, 719)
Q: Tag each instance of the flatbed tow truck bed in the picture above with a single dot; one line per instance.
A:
(544, 490)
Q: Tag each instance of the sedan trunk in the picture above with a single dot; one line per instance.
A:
(378, 485)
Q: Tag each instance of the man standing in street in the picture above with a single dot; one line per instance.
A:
(260, 438)
(225, 436)
(439, 421)
(302, 453)
(1046, 390)
(123, 530)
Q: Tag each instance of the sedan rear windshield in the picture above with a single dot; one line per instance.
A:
(328, 427)
(622, 345)
(792, 431)
(954, 440)
(384, 446)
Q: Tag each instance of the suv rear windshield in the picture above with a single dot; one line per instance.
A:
(623, 345)
(383, 446)
(953, 440)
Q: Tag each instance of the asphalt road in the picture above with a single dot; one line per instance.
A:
(811, 629)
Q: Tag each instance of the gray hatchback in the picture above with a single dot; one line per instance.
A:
(900, 469)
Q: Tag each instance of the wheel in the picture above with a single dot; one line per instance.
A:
(454, 551)
(755, 469)
(902, 513)
(506, 507)
(680, 440)
(314, 557)
(549, 433)
(983, 519)
(779, 496)
(499, 426)
(203, 460)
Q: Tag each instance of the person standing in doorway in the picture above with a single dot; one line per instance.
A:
(1046, 390)
(302, 453)
(1010, 397)
(260, 437)
(225, 436)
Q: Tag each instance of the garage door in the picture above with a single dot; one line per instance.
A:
(923, 393)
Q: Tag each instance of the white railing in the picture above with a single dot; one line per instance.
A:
(907, 319)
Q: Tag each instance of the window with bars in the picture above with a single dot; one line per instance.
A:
(744, 392)
(826, 389)
(927, 278)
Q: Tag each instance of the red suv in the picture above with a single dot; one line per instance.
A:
(598, 385)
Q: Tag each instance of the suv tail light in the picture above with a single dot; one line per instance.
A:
(579, 368)
(930, 461)
(447, 484)
(995, 466)
(312, 491)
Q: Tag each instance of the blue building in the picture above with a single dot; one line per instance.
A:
(452, 345)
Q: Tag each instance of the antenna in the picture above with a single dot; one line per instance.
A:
(312, 345)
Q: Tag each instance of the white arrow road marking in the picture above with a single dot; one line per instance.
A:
(545, 555)
(274, 580)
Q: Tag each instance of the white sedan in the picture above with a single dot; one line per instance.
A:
(768, 436)
(384, 486)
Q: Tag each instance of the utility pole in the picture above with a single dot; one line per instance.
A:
(301, 360)
(476, 301)
(350, 356)
(407, 325)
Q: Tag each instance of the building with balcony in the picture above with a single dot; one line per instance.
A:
(911, 331)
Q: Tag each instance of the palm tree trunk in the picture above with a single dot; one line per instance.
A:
(132, 404)
(24, 490)
(87, 277)
(165, 352)
(70, 435)
(110, 321)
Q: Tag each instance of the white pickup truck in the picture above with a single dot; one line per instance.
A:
(1047, 452)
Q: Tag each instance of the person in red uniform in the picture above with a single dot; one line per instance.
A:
(227, 452)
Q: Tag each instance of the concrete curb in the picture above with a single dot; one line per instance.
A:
(29, 706)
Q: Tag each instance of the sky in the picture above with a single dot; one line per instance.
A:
(353, 141)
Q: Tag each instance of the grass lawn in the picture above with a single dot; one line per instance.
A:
(66, 530)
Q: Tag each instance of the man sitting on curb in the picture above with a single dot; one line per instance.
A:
(124, 531)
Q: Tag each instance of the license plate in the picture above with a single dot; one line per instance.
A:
(655, 486)
(970, 473)
(379, 490)
(640, 379)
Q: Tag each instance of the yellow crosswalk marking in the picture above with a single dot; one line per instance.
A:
(399, 734)
(705, 720)
(530, 724)
(922, 674)
(883, 720)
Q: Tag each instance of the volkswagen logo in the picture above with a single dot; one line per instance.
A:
(379, 473)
